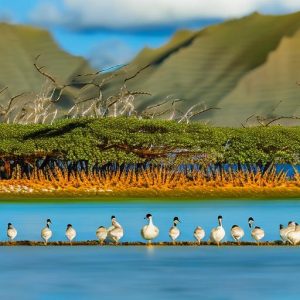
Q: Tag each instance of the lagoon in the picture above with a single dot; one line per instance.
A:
(149, 273)
(95, 272)
(86, 217)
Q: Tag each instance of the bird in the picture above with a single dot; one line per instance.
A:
(199, 234)
(101, 234)
(283, 231)
(46, 232)
(237, 233)
(294, 236)
(70, 233)
(218, 233)
(174, 231)
(149, 232)
(257, 233)
(11, 232)
(115, 232)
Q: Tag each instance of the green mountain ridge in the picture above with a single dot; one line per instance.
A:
(210, 66)
(18, 49)
(245, 67)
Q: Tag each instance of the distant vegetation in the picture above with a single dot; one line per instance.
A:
(134, 141)
(90, 155)
(131, 128)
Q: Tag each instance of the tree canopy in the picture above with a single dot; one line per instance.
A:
(131, 140)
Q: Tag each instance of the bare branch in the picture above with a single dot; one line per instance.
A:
(280, 118)
(120, 66)
(137, 73)
(39, 69)
(203, 111)
(12, 100)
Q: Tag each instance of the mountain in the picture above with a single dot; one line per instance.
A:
(18, 48)
(244, 66)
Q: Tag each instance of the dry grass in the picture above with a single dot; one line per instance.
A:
(154, 181)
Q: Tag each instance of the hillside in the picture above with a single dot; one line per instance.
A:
(245, 66)
(18, 48)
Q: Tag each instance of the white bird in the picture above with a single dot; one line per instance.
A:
(101, 234)
(11, 232)
(218, 233)
(46, 232)
(237, 233)
(199, 234)
(70, 233)
(115, 232)
(174, 231)
(283, 231)
(149, 232)
(257, 233)
(294, 236)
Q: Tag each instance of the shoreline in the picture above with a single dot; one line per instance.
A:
(138, 194)
(143, 244)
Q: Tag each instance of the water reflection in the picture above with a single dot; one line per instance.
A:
(149, 273)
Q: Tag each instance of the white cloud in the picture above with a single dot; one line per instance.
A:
(117, 14)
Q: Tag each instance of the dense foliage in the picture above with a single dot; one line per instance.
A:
(130, 140)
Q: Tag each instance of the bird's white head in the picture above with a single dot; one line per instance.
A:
(148, 217)
(220, 218)
(48, 222)
(291, 224)
(250, 222)
(176, 221)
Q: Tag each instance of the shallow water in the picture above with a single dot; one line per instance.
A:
(87, 217)
(149, 273)
(96, 272)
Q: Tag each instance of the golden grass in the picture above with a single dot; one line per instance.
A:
(154, 181)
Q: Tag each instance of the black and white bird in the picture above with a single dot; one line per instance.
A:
(70, 233)
(11, 232)
(199, 234)
(237, 233)
(257, 233)
(149, 232)
(101, 234)
(46, 232)
(218, 233)
(115, 232)
(174, 231)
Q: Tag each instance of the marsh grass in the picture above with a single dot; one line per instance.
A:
(154, 182)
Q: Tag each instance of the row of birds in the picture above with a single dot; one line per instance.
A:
(289, 234)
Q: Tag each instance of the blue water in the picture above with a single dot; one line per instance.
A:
(29, 219)
(148, 272)
(155, 273)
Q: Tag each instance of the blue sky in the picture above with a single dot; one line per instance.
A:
(109, 32)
